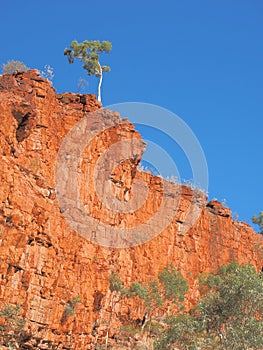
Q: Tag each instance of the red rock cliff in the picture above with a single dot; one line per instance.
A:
(45, 262)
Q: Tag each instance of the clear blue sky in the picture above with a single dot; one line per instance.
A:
(199, 59)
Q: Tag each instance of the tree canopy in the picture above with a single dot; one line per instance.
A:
(259, 221)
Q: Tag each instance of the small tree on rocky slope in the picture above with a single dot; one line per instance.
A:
(12, 334)
(259, 221)
(88, 52)
(174, 285)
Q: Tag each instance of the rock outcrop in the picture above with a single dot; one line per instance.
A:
(45, 263)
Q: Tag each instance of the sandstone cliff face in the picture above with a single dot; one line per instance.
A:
(45, 263)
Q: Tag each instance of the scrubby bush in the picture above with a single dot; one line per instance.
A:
(13, 66)
(12, 333)
(175, 286)
(70, 308)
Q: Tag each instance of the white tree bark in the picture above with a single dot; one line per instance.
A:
(100, 82)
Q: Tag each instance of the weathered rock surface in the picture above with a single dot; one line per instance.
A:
(45, 263)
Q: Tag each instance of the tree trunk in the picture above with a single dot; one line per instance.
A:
(113, 303)
(100, 82)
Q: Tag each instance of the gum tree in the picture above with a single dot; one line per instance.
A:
(88, 52)
(259, 221)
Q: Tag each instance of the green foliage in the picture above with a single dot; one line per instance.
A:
(153, 298)
(259, 248)
(234, 301)
(228, 316)
(13, 66)
(175, 286)
(171, 281)
(88, 52)
(148, 292)
(154, 327)
(137, 290)
(129, 330)
(170, 286)
(12, 332)
(115, 283)
(259, 221)
(182, 331)
(70, 307)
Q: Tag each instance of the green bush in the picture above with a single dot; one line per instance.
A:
(175, 286)
(12, 332)
(70, 308)
(229, 314)
(115, 283)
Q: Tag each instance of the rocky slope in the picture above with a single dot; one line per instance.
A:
(46, 261)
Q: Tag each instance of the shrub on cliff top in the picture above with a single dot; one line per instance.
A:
(13, 66)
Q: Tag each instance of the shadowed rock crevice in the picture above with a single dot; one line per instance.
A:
(25, 124)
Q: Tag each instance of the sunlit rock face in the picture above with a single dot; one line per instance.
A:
(46, 262)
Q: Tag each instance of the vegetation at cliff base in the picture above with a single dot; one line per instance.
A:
(229, 314)
(12, 334)
(169, 287)
(151, 296)
(175, 286)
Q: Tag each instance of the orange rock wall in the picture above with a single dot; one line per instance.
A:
(44, 263)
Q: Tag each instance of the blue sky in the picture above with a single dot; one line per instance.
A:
(202, 60)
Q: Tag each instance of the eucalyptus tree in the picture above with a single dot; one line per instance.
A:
(229, 314)
(88, 52)
(259, 221)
